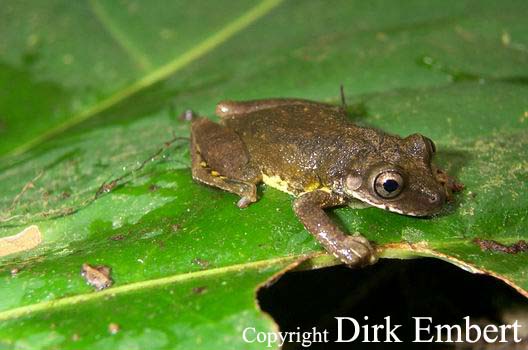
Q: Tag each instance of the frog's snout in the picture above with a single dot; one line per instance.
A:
(433, 202)
(423, 202)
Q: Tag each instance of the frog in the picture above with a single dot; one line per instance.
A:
(314, 152)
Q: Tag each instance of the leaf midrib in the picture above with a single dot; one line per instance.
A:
(389, 250)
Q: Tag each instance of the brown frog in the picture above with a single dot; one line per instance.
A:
(312, 151)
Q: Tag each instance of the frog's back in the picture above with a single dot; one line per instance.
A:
(309, 116)
(300, 144)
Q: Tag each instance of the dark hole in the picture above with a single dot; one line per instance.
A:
(400, 289)
(390, 185)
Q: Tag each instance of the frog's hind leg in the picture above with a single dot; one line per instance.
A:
(219, 159)
(230, 108)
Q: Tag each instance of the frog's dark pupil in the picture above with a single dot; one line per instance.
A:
(390, 185)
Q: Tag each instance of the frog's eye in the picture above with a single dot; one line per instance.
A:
(419, 145)
(388, 184)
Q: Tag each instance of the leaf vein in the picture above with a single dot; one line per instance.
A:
(158, 74)
(119, 36)
(135, 286)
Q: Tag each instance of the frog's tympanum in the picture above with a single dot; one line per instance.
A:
(312, 151)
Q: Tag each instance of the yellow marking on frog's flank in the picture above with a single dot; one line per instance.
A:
(203, 164)
(312, 187)
(215, 173)
(25, 240)
(324, 189)
(275, 181)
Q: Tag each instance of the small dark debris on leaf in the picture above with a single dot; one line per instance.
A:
(199, 290)
(176, 227)
(113, 328)
(491, 245)
(117, 237)
(65, 195)
(457, 186)
(450, 184)
(153, 188)
(28, 186)
(59, 213)
(187, 116)
(97, 276)
(200, 262)
(106, 187)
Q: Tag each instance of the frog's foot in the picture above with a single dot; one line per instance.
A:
(355, 251)
(245, 201)
(247, 192)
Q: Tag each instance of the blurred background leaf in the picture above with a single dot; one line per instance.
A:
(90, 90)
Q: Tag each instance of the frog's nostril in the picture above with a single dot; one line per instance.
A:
(436, 198)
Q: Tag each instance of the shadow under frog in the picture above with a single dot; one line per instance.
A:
(312, 151)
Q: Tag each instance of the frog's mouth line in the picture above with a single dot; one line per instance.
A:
(384, 206)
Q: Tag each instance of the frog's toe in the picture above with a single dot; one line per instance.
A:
(245, 201)
(356, 251)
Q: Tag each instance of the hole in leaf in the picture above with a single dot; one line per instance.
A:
(401, 289)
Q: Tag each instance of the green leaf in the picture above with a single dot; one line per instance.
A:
(89, 91)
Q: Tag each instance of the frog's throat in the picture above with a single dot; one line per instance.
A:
(383, 206)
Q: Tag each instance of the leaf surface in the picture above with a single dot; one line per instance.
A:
(90, 91)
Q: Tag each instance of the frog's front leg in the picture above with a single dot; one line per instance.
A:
(352, 250)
